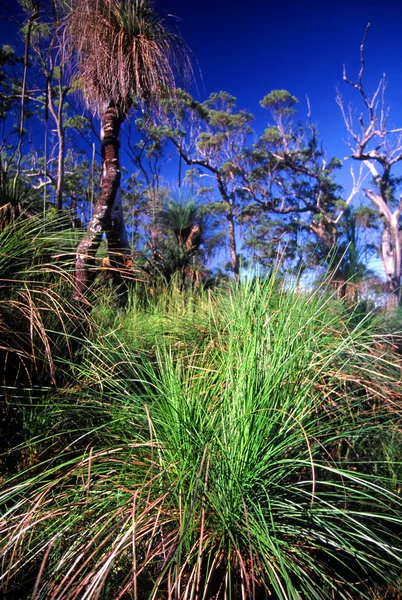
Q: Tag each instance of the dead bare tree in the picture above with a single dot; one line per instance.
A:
(379, 148)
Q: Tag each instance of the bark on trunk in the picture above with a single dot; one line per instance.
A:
(391, 258)
(234, 259)
(391, 238)
(61, 134)
(108, 214)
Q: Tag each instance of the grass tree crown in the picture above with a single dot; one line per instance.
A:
(123, 51)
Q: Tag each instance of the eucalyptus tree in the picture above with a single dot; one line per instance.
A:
(51, 59)
(40, 87)
(290, 184)
(378, 146)
(211, 136)
(279, 191)
(124, 53)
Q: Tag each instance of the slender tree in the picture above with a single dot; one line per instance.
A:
(124, 53)
(50, 53)
(33, 7)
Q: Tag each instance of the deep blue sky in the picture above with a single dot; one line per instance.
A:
(250, 48)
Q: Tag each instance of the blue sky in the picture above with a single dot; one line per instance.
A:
(250, 48)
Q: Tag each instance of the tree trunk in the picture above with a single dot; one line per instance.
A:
(61, 132)
(108, 215)
(34, 17)
(391, 239)
(60, 169)
(234, 259)
(391, 258)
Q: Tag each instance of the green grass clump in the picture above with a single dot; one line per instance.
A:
(213, 448)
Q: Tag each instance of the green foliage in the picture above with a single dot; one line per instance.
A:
(212, 444)
(8, 61)
(76, 122)
(271, 135)
(280, 101)
(177, 245)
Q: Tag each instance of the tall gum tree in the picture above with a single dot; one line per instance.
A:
(32, 7)
(282, 180)
(379, 147)
(212, 136)
(289, 171)
(289, 184)
(123, 53)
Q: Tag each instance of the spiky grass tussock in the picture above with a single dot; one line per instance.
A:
(36, 262)
(37, 321)
(233, 467)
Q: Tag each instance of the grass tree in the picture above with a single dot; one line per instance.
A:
(182, 228)
(124, 54)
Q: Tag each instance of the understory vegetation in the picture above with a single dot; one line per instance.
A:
(242, 441)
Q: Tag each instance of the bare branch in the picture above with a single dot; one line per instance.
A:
(396, 159)
(381, 87)
(308, 108)
(362, 54)
(346, 117)
(357, 184)
(383, 209)
(372, 169)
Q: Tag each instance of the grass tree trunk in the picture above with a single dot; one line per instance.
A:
(108, 214)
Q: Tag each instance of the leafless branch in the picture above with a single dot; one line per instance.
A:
(362, 55)
(357, 184)
(347, 116)
(359, 85)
